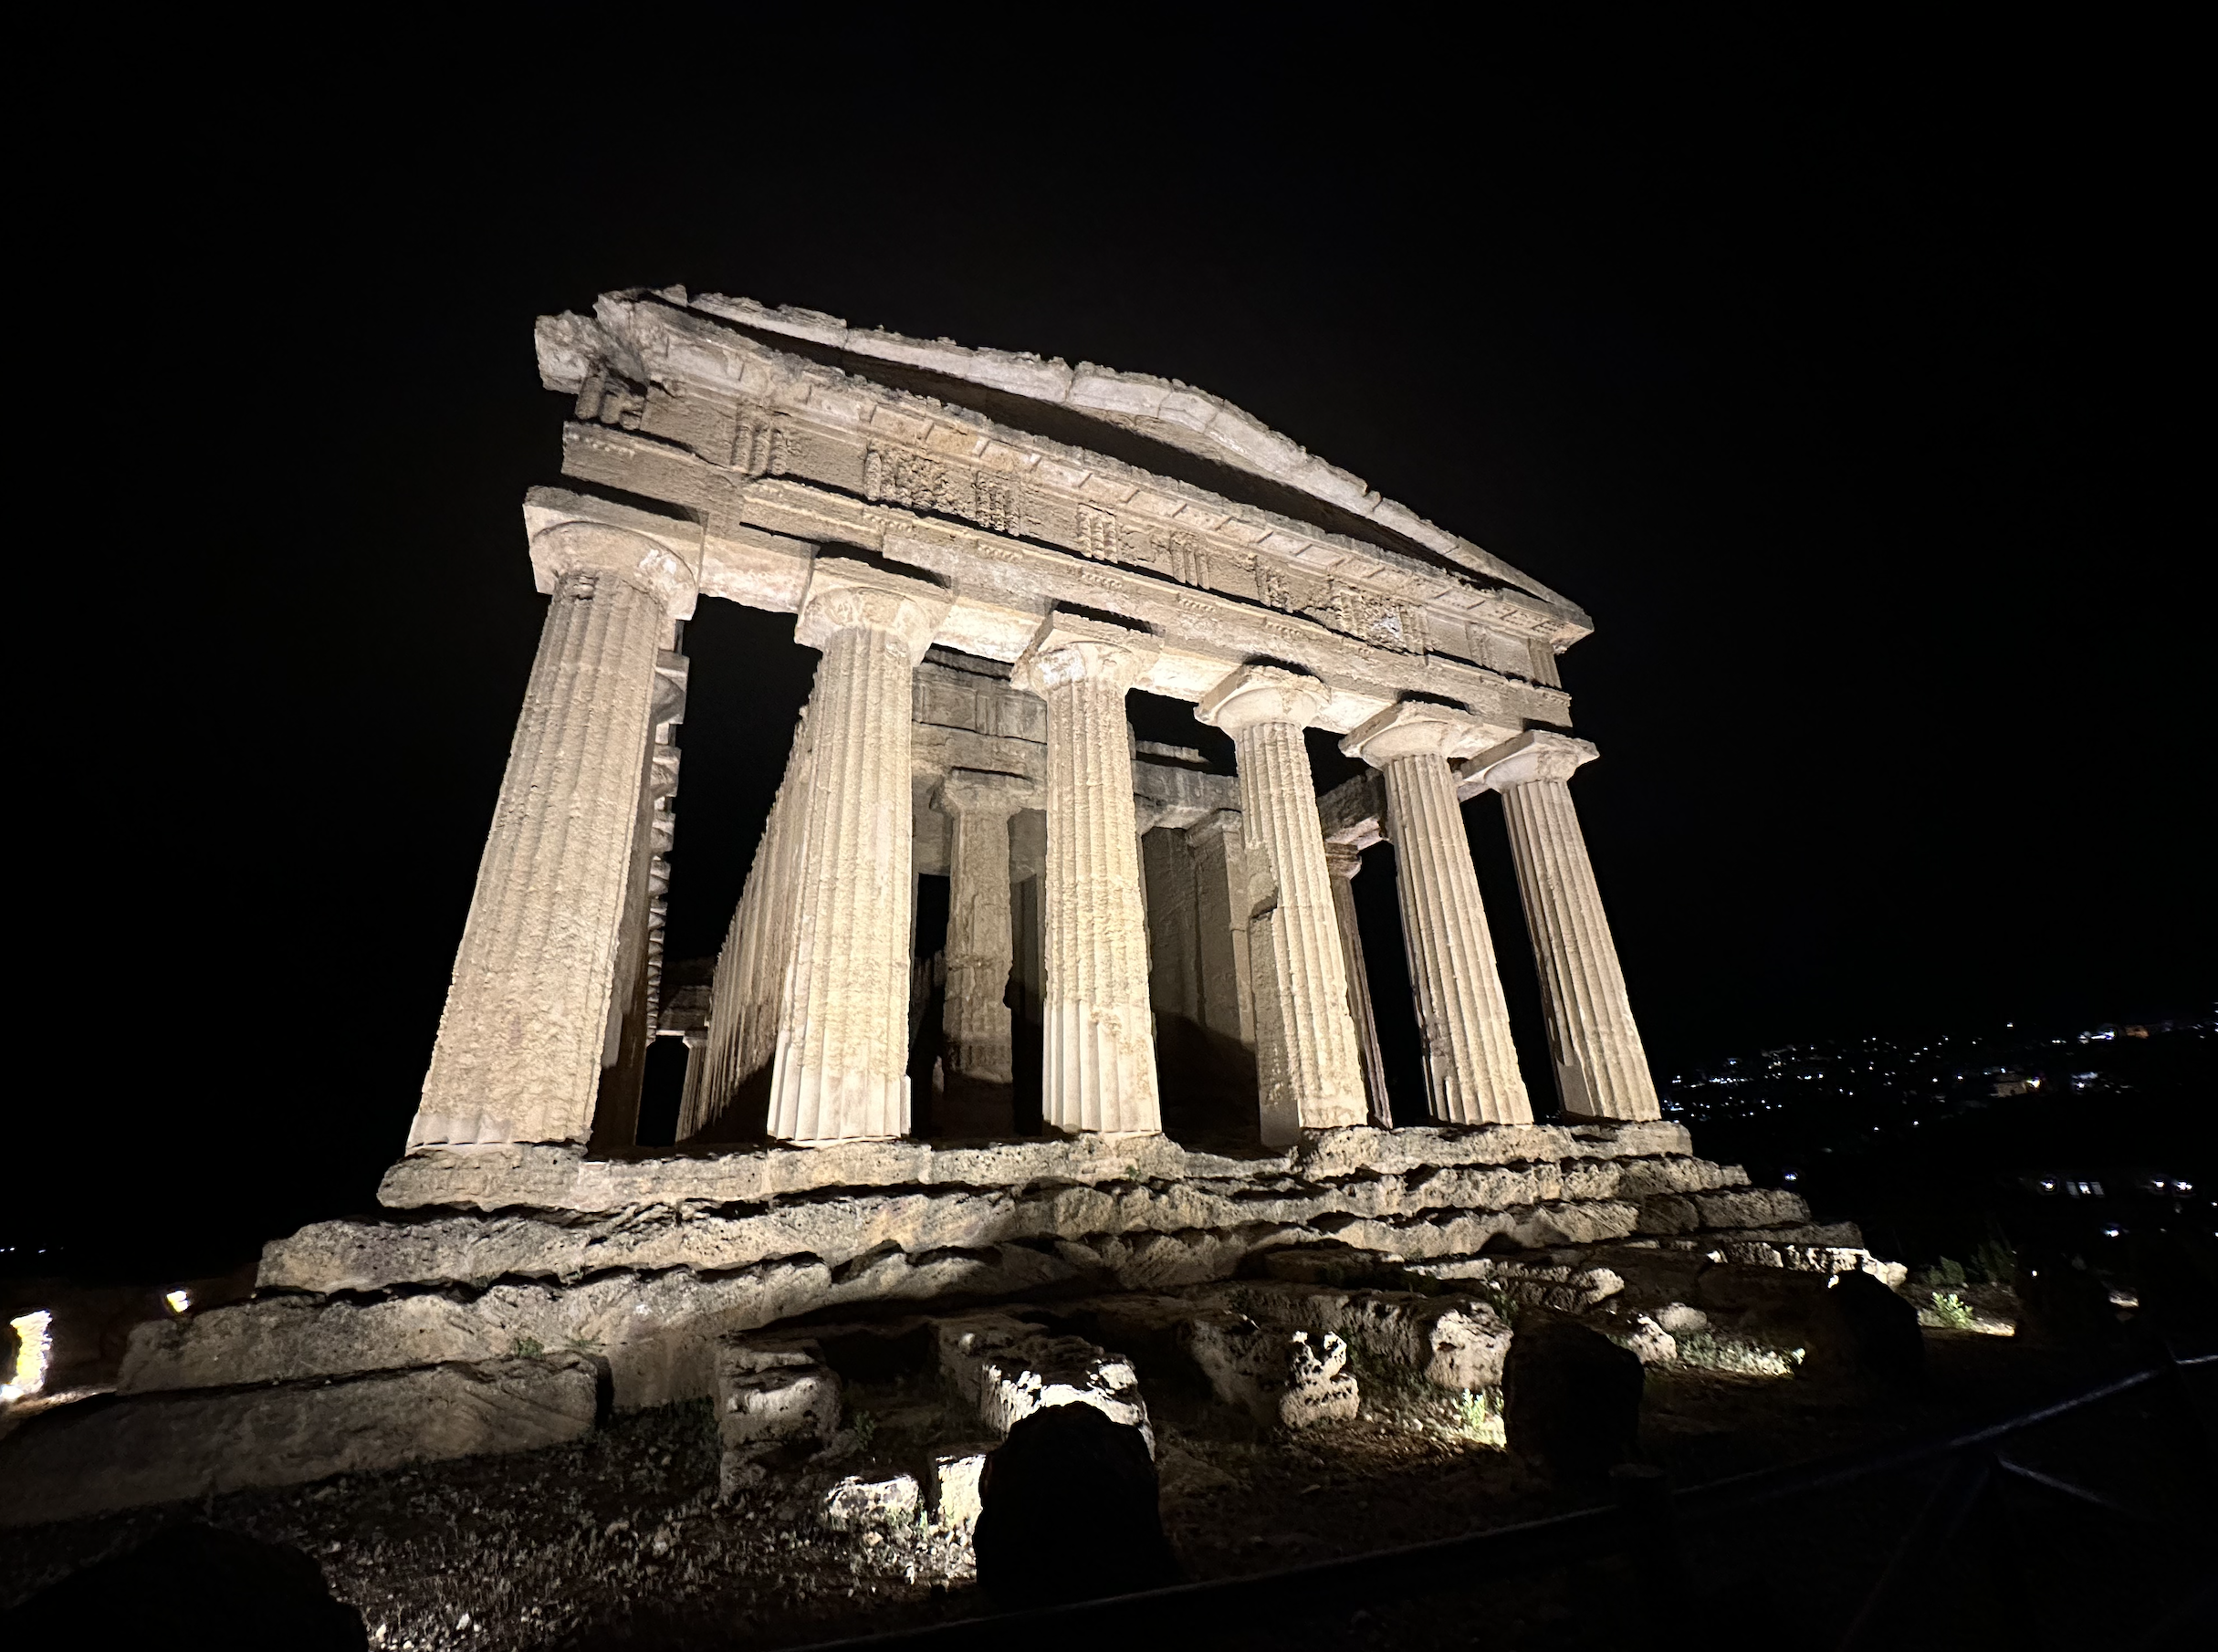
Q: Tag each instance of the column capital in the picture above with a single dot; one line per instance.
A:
(1538, 754)
(1343, 860)
(1262, 693)
(1413, 728)
(847, 595)
(1067, 649)
(641, 561)
(980, 791)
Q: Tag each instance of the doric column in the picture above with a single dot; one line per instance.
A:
(1219, 852)
(1470, 1065)
(520, 1040)
(1343, 863)
(979, 953)
(841, 1069)
(1098, 1071)
(1310, 1073)
(1601, 1071)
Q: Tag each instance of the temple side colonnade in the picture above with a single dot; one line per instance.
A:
(979, 634)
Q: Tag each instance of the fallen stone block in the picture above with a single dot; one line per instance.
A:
(1009, 1368)
(1649, 1343)
(1290, 1379)
(189, 1579)
(124, 1450)
(1571, 1401)
(768, 1401)
(956, 1477)
(871, 1500)
(1069, 1512)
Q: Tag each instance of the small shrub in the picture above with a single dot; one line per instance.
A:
(866, 1427)
(1707, 1352)
(1480, 1417)
(1946, 1271)
(1950, 1309)
(1995, 1261)
(528, 1347)
(583, 1344)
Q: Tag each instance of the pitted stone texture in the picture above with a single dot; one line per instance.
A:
(842, 1039)
(1310, 1073)
(129, 1450)
(1099, 1065)
(1009, 1368)
(548, 1178)
(1561, 1289)
(1601, 1068)
(1429, 1212)
(769, 1401)
(1290, 1379)
(863, 1499)
(521, 1038)
(1456, 1342)
(956, 1487)
(1471, 1064)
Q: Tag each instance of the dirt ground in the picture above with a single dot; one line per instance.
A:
(619, 1540)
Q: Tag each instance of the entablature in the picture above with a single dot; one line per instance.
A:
(746, 409)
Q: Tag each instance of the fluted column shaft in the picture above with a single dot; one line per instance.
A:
(518, 1055)
(980, 944)
(1310, 1074)
(747, 991)
(1602, 1071)
(1099, 1059)
(841, 1069)
(1344, 864)
(1470, 1063)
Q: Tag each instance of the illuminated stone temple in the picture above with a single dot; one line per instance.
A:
(990, 553)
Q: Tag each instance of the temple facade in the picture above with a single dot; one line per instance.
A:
(1155, 1110)
(990, 553)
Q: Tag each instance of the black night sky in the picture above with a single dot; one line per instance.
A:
(1842, 379)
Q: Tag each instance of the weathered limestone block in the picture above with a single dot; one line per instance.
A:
(840, 1073)
(1752, 1207)
(865, 1499)
(1281, 1378)
(955, 1485)
(769, 1401)
(128, 1450)
(1561, 1289)
(288, 1339)
(1099, 1066)
(523, 1035)
(525, 1176)
(1456, 1342)
(1667, 1213)
(1309, 1062)
(1649, 1343)
(1601, 1069)
(1470, 1065)
(1008, 1369)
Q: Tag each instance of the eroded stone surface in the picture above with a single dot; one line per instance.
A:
(150, 1449)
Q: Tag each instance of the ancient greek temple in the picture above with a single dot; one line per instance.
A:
(990, 552)
(991, 555)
